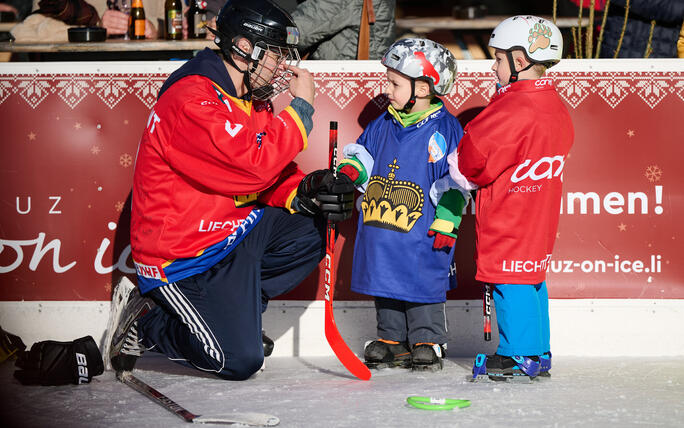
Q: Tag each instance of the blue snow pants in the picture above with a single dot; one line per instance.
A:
(522, 315)
(212, 321)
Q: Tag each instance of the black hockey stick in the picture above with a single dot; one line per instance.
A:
(253, 419)
(487, 311)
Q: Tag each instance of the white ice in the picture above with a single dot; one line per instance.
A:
(318, 392)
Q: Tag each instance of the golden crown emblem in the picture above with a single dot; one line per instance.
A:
(390, 204)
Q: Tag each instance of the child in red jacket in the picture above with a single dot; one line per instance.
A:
(514, 152)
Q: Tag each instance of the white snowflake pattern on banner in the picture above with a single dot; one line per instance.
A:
(573, 88)
(651, 88)
(6, 88)
(613, 88)
(678, 87)
(340, 88)
(72, 88)
(343, 88)
(111, 89)
(464, 87)
(34, 88)
(146, 87)
(373, 87)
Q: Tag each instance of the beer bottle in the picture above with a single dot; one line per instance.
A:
(136, 21)
(173, 17)
(197, 19)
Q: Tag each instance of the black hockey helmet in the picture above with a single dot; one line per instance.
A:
(268, 27)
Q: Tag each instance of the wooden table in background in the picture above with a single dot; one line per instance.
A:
(111, 45)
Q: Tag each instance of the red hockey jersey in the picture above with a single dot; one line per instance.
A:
(204, 161)
(515, 150)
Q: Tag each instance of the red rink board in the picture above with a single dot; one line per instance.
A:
(69, 139)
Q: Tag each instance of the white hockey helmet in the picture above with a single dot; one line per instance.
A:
(539, 38)
(423, 59)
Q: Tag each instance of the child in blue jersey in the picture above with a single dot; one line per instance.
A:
(404, 249)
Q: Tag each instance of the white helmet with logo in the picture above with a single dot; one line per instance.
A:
(539, 38)
(425, 60)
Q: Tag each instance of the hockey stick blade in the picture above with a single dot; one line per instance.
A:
(340, 348)
(251, 419)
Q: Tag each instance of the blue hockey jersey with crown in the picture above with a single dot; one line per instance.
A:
(393, 254)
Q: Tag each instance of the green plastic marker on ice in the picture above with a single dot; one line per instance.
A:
(431, 403)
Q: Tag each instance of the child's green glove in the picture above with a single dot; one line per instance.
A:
(447, 220)
(354, 169)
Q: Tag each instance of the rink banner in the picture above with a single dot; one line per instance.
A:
(70, 133)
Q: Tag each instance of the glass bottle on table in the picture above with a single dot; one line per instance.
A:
(136, 21)
(173, 17)
(197, 19)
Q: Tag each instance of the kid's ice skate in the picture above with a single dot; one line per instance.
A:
(545, 365)
(381, 353)
(428, 356)
(499, 368)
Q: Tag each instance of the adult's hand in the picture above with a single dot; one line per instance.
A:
(8, 8)
(302, 84)
(211, 23)
(150, 30)
(115, 21)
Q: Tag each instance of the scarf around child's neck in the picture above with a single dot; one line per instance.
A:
(408, 119)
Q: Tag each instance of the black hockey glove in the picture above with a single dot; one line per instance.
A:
(11, 346)
(321, 193)
(59, 363)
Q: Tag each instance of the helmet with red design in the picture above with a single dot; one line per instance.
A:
(423, 59)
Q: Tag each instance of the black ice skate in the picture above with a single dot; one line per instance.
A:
(505, 369)
(381, 353)
(268, 344)
(428, 356)
(122, 344)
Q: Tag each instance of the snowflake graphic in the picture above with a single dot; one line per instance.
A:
(125, 160)
(119, 206)
(653, 173)
(108, 287)
(95, 150)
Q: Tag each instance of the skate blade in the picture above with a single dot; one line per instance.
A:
(428, 367)
(380, 366)
(500, 378)
(543, 377)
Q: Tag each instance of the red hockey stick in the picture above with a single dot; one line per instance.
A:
(332, 334)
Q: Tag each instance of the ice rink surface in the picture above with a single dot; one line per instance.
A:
(318, 392)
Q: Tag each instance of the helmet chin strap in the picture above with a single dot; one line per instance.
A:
(412, 100)
(511, 66)
(245, 73)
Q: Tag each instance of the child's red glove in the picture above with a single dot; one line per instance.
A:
(442, 242)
